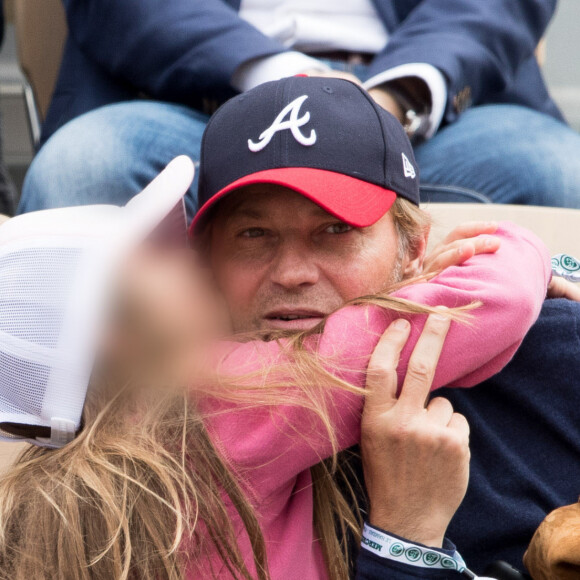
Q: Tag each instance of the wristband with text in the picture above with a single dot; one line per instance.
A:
(393, 548)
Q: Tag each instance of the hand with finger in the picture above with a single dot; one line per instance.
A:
(415, 454)
(464, 242)
(561, 288)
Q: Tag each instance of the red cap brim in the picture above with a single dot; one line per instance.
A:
(355, 202)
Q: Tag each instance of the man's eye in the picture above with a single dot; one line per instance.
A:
(338, 228)
(252, 233)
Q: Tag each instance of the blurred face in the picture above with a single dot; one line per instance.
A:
(166, 313)
(283, 263)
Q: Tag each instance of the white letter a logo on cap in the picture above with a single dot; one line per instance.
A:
(293, 123)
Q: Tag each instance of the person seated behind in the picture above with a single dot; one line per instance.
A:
(166, 316)
(462, 75)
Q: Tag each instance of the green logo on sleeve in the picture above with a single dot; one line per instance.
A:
(570, 263)
(431, 558)
(449, 563)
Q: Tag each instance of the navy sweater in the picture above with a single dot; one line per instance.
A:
(525, 443)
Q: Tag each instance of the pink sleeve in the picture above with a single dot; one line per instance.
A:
(511, 285)
(277, 444)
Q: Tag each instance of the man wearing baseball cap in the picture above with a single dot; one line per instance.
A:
(291, 148)
(308, 198)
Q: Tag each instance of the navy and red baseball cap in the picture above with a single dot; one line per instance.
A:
(324, 138)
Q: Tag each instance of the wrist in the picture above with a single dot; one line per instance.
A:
(412, 529)
(385, 99)
(409, 99)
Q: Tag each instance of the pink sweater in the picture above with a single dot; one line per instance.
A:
(273, 449)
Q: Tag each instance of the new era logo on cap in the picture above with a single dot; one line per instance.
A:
(324, 138)
(408, 168)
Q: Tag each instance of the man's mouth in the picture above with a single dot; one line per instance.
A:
(293, 319)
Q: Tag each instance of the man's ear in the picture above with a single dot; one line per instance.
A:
(414, 265)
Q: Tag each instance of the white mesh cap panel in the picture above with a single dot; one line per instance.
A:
(34, 291)
(51, 302)
(56, 269)
(26, 384)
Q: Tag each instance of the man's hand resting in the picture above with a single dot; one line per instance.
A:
(561, 288)
(464, 242)
(387, 101)
(415, 456)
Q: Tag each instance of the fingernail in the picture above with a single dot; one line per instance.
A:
(401, 324)
(440, 317)
(441, 314)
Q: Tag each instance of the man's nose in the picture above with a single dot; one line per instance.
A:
(294, 267)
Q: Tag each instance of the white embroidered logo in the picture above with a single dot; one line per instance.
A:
(408, 168)
(293, 123)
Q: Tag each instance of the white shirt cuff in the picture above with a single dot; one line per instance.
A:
(431, 76)
(273, 68)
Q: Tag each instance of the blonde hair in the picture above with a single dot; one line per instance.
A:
(142, 497)
(412, 225)
(121, 500)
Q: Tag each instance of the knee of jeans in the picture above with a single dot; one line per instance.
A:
(545, 175)
(509, 154)
(82, 163)
(110, 154)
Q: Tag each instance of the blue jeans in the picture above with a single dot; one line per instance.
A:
(494, 153)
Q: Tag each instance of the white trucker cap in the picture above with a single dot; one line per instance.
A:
(57, 269)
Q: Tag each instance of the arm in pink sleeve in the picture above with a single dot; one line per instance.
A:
(511, 285)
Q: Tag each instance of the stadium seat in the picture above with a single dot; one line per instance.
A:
(41, 33)
(557, 227)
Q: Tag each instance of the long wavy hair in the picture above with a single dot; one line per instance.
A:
(142, 496)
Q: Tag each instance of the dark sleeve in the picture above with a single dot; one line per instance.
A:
(372, 567)
(478, 45)
(169, 49)
(377, 559)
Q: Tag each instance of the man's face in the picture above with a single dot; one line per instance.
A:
(284, 263)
